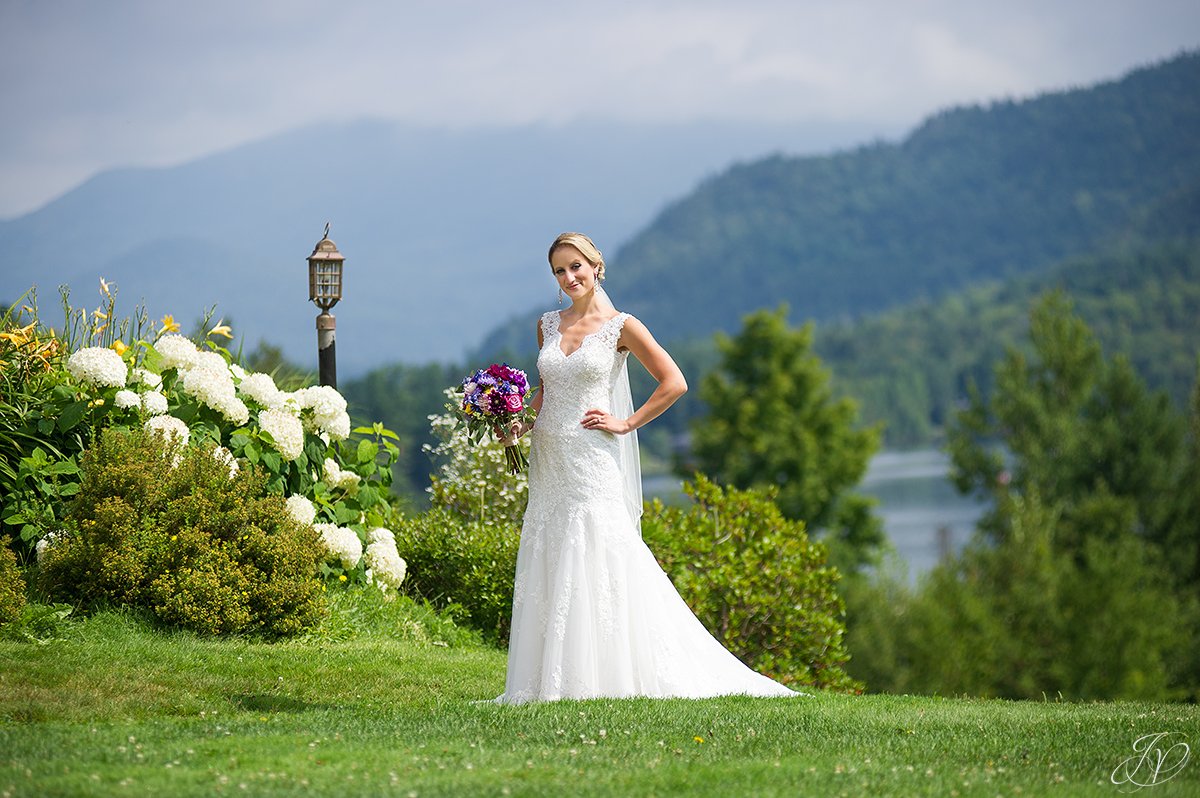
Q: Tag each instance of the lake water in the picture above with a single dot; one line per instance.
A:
(922, 512)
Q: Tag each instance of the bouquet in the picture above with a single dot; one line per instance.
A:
(492, 399)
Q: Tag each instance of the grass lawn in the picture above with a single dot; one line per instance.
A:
(114, 707)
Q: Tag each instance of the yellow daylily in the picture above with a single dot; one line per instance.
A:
(104, 286)
(18, 337)
(119, 347)
(169, 324)
(221, 329)
(99, 314)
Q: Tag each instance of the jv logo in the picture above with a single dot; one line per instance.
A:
(1157, 758)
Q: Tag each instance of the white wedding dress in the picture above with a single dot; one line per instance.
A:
(593, 614)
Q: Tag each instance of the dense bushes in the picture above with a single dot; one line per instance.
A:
(463, 565)
(755, 580)
(170, 529)
(12, 586)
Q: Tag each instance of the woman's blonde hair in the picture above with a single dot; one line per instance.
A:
(585, 247)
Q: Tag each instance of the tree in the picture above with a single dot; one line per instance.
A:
(1079, 457)
(772, 420)
(1086, 435)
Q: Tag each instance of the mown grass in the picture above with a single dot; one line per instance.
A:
(384, 702)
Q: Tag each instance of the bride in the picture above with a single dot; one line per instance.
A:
(593, 614)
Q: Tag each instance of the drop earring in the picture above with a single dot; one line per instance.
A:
(560, 296)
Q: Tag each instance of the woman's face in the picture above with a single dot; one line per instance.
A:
(576, 277)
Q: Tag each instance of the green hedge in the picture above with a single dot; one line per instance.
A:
(170, 529)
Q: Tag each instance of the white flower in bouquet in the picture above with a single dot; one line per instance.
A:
(226, 458)
(285, 429)
(342, 543)
(385, 567)
(261, 388)
(126, 399)
(176, 351)
(335, 477)
(154, 403)
(98, 365)
(170, 427)
(300, 508)
(141, 376)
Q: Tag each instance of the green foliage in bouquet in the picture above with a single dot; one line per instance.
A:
(756, 581)
(172, 529)
(463, 565)
(12, 586)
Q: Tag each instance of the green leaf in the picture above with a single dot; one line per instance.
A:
(273, 461)
(252, 452)
(71, 415)
(70, 489)
(367, 450)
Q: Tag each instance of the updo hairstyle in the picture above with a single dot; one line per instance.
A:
(585, 247)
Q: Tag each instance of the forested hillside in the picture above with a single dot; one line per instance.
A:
(974, 194)
(910, 367)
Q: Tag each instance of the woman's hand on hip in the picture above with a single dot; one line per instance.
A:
(598, 419)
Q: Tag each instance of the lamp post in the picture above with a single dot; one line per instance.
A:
(325, 289)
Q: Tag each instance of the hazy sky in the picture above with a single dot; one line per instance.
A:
(89, 85)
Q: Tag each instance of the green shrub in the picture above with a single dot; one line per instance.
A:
(463, 565)
(12, 586)
(170, 530)
(755, 580)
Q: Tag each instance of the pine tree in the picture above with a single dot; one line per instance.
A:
(773, 420)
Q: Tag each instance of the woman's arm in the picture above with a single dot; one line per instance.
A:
(671, 384)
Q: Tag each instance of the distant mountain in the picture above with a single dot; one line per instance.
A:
(444, 231)
(974, 194)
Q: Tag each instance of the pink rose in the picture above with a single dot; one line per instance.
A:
(512, 403)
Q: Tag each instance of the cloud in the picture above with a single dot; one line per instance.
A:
(139, 82)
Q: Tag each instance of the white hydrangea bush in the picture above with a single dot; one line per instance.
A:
(194, 395)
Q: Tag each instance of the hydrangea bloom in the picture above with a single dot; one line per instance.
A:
(154, 403)
(335, 477)
(210, 361)
(261, 389)
(342, 543)
(326, 411)
(338, 427)
(98, 365)
(225, 457)
(176, 351)
(174, 429)
(126, 399)
(381, 533)
(385, 567)
(145, 377)
(237, 371)
(300, 508)
(285, 429)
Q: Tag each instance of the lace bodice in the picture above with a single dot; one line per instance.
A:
(582, 380)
